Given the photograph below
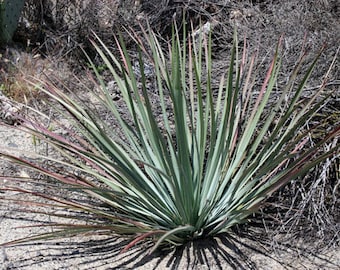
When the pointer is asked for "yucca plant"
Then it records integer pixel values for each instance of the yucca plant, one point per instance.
(205, 165)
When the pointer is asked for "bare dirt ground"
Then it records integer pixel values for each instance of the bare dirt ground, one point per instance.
(314, 241)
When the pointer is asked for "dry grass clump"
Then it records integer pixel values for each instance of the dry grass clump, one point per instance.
(59, 28)
(17, 68)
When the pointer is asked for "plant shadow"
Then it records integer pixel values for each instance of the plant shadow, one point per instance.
(104, 252)
(241, 249)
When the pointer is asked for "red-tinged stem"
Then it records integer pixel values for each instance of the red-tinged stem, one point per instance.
(122, 55)
(139, 238)
(60, 177)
